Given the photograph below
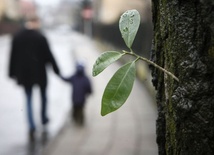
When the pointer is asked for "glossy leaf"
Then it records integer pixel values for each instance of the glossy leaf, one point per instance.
(129, 24)
(119, 88)
(104, 61)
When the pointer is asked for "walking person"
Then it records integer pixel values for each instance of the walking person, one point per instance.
(30, 54)
(81, 89)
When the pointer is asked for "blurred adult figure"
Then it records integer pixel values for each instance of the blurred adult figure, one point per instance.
(81, 89)
(30, 54)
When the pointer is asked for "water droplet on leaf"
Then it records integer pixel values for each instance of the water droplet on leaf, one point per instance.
(125, 29)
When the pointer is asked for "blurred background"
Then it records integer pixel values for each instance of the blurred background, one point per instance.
(76, 29)
(97, 18)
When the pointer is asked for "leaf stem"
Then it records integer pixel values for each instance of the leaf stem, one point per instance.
(152, 63)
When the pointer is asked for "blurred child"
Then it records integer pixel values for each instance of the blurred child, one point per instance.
(81, 89)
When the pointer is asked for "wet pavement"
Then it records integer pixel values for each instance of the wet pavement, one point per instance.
(130, 130)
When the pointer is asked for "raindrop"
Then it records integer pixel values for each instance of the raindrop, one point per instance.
(125, 29)
(124, 15)
(132, 15)
(97, 63)
(100, 59)
(94, 73)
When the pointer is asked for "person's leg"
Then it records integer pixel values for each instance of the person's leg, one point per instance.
(74, 113)
(28, 93)
(44, 117)
(81, 114)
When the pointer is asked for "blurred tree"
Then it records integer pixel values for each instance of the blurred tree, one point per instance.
(184, 44)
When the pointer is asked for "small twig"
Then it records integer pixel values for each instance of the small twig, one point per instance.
(153, 64)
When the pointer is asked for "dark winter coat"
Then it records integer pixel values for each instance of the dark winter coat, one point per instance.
(81, 87)
(30, 53)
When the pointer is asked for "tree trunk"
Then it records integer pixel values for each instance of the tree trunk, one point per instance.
(184, 44)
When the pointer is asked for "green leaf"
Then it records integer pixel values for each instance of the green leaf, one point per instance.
(119, 88)
(104, 61)
(129, 24)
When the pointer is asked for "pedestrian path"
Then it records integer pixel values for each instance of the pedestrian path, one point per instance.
(128, 131)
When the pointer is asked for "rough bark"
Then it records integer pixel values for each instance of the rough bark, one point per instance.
(184, 44)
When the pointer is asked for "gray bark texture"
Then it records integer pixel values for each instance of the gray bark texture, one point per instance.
(184, 44)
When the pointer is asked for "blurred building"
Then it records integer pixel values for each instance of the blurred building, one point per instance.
(9, 16)
(12, 12)
(2, 8)
(110, 10)
(9, 9)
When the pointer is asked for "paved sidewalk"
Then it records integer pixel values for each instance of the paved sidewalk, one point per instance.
(128, 131)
